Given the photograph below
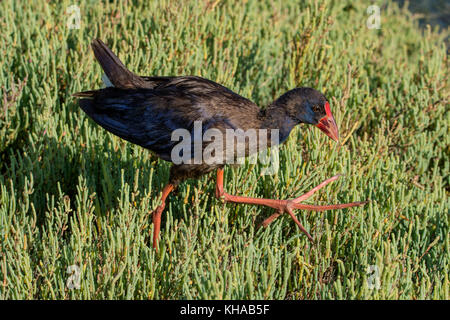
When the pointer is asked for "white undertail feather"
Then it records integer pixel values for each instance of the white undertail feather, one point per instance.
(106, 81)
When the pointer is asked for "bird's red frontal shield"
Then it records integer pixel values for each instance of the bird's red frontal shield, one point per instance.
(328, 125)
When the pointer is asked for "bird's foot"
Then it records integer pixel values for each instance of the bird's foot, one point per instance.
(287, 206)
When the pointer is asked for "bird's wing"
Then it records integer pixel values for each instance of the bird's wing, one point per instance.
(186, 84)
(148, 117)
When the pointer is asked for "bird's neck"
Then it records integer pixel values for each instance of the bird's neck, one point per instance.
(275, 117)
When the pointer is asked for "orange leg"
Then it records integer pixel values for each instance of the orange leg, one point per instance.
(283, 206)
(157, 214)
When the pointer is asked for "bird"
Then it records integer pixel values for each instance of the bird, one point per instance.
(147, 110)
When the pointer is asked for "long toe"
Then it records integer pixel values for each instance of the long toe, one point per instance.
(329, 206)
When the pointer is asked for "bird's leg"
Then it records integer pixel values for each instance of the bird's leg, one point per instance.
(283, 206)
(157, 213)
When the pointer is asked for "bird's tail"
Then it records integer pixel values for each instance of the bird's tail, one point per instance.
(117, 73)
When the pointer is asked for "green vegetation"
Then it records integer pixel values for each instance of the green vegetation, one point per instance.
(73, 194)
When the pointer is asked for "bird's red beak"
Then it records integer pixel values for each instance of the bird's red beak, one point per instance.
(328, 125)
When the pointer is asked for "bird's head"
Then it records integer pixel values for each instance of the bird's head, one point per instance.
(306, 105)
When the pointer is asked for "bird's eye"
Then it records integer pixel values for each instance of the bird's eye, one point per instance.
(316, 108)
